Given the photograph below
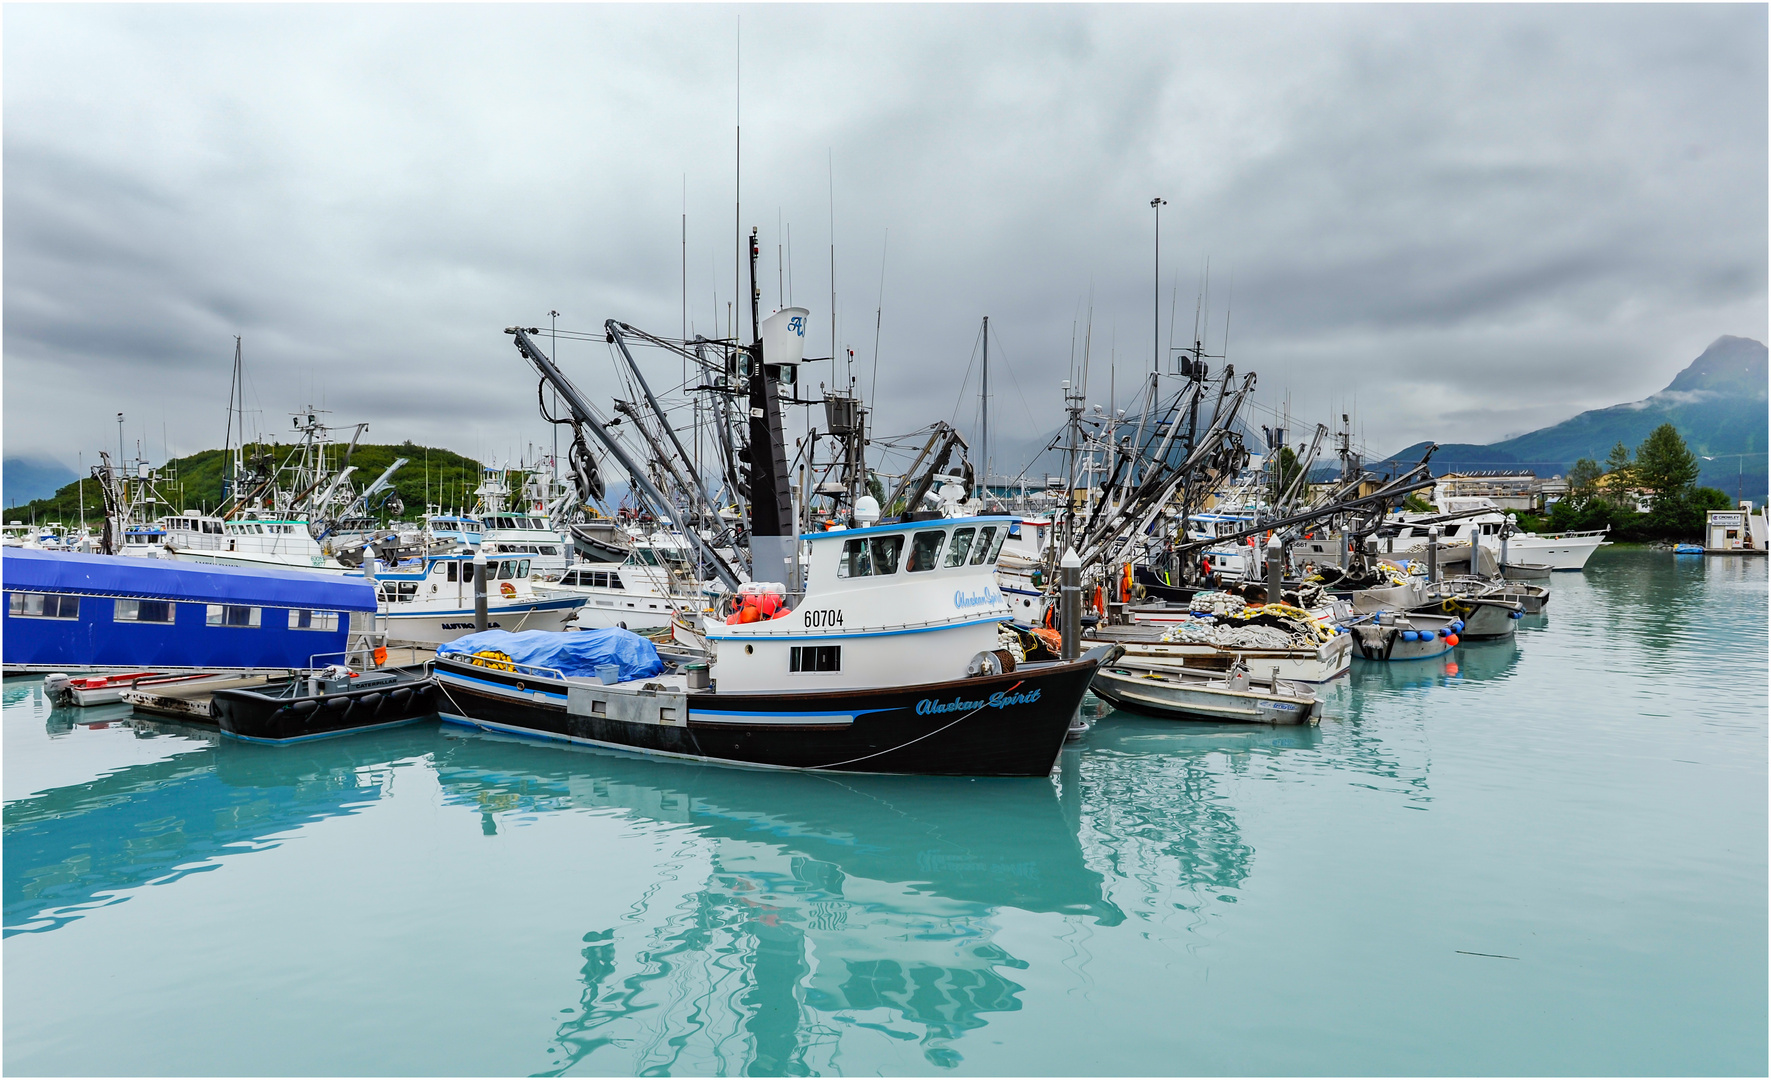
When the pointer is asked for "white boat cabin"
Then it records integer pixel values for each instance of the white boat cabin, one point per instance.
(884, 606)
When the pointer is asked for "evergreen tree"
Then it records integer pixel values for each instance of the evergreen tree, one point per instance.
(1664, 465)
(1583, 482)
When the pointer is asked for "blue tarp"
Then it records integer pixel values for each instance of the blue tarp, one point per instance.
(573, 653)
(29, 570)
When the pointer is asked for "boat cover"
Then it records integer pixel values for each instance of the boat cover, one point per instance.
(571, 652)
(26, 569)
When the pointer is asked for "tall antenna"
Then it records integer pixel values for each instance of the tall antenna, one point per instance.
(830, 165)
(737, 162)
(878, 314)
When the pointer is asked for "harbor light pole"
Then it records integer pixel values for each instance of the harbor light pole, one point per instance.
(1156, 286)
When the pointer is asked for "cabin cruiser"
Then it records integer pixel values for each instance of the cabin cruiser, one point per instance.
(889, 662)
(433, 600)
(1465, 518)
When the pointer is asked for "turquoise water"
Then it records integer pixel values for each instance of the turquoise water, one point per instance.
(1548, 860)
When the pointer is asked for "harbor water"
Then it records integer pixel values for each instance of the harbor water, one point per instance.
(1541, 856)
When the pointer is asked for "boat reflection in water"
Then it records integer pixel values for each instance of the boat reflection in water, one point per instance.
(829, 902)
(77, 848)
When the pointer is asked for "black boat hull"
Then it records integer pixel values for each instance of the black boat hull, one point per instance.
(1004, 725)
(273, 715)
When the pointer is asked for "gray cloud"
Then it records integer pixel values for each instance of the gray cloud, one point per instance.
(1470, 221)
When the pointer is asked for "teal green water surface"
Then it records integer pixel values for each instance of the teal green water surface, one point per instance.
(1546, 856)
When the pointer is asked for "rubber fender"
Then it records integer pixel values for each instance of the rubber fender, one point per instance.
(305, 706)
(1410, 635)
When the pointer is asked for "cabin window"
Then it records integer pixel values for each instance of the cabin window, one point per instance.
(148, 611)
(996, 548)
(961, 547)
(549, 549)
(925, 551)
(981, 550)
(523, 569)
(870, 557)
(399, 592)
(304, 619)
(33, 605)
(614, 581)
(454, 574)
(506, 570)
(816, 658)
(234, 615)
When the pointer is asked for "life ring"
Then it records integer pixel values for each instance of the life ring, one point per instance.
(507, 589)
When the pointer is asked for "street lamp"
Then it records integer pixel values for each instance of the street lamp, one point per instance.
(1156, 293)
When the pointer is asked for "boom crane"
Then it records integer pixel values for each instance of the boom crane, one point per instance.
(584, 417)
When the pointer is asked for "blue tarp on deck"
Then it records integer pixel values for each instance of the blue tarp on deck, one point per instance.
(573, 653)
(26, 569)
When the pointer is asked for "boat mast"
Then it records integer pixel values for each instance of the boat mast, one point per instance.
(984, 435)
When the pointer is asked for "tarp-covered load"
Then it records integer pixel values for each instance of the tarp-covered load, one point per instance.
(572, 653)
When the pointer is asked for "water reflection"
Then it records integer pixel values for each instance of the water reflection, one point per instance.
(76, 848)
(826, 904)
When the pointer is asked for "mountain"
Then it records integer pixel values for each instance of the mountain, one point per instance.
(1718, 403)
(26, 479)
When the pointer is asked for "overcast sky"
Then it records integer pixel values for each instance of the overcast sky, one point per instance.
(1469, 222)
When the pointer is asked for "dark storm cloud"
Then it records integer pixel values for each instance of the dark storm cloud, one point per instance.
(1470, 221)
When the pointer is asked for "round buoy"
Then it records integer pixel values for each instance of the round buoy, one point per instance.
(1453, 640)
(1410, 635)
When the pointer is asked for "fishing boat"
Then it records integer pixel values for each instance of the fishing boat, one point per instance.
(1186, 694)
(1486, 611)
(643, 592)
(431, 600)
(889, 662)
(1397, 635)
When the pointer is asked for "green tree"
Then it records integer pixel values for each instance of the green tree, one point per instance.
(1286, 471)
(1583, 482)
(1417, 505)
(1665, 465)
(1619, 475)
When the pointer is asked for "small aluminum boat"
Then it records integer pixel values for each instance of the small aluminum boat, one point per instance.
(1183, 694)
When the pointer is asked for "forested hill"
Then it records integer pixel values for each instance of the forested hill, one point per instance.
(1718, 404)
(434, 475)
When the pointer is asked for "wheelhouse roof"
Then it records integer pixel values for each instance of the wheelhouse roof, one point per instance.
(22, 569)
(909, 526)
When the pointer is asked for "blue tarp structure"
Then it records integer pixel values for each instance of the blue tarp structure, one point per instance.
(29, 570)
(573, 653)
